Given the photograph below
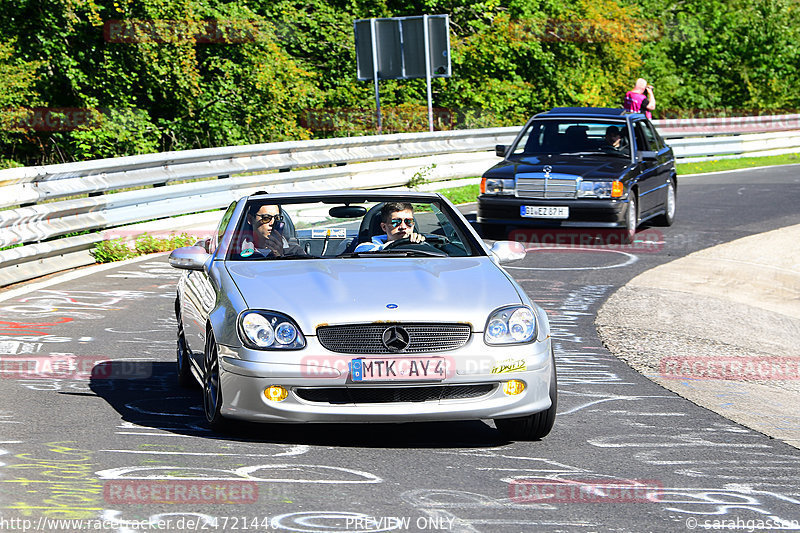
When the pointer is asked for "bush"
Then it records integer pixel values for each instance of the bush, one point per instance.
(113, 250)
(118, 250)
(147, 244)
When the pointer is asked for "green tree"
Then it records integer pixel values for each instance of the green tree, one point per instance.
(16, 93)
(158, 80)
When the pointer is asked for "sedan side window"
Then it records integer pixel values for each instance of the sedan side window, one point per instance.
(642, 139)
(656, 142)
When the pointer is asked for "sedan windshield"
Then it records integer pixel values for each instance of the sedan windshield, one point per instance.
(288, 230)
(574, 137)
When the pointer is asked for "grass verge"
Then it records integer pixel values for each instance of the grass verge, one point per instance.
(717, 165)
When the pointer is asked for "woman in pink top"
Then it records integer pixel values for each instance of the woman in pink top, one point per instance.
(635, 97)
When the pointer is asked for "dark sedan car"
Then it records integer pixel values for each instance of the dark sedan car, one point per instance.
(581, 168)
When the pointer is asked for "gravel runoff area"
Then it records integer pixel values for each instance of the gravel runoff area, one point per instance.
(721, 328)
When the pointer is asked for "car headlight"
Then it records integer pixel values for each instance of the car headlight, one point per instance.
(265, 330)
(600, 189)
(497, 186)
(510, 325)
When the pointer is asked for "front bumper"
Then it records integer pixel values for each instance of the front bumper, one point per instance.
(583, 212)
(321, 389)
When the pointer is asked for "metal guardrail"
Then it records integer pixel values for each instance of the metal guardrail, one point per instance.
(40, 230)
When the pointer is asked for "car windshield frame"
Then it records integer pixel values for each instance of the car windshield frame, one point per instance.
(315, 234)
(585, 139)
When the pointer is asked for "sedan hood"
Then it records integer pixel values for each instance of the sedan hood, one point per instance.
(587, 167)
(317, 292)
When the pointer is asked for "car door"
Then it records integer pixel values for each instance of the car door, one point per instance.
(652, 161)
(666, 163)
(199, 295)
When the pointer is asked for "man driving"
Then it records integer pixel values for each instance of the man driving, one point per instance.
(614, 142)
(397, 220)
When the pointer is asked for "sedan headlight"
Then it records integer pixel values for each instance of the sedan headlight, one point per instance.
(265, 330)
(510, 325)
(498, 186)
(600, 189)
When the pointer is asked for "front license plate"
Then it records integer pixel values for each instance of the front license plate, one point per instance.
(398, 369)
(544, 211)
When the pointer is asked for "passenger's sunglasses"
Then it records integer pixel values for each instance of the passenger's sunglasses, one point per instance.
(267, 218)
(407, 221)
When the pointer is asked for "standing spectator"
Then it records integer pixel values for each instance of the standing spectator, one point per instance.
(637, 101)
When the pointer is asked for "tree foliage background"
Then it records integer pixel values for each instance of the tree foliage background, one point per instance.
(166, 89)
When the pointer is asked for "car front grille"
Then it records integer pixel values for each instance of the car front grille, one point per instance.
(363, 395)
(368, 338)
(552, 187)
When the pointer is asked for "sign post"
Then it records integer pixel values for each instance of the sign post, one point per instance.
(427, 38)
(403, 48)
(374, 39)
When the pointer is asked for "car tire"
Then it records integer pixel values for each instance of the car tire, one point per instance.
(185, 377)
(669, 207)
(537, 425)
(631, 218)
(212, 390)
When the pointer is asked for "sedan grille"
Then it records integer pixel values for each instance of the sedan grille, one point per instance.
(355, 395)
(368, 338)
(553, 187)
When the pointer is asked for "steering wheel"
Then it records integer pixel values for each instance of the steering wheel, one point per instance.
(406, 244)
(438, 239)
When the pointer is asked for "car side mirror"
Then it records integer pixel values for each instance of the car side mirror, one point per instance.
(189, 258)
(508, 251)
(648, 155)
(500, 150)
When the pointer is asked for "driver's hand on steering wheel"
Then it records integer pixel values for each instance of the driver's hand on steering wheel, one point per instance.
(416, 237)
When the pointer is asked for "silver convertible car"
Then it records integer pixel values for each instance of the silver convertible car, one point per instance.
(360, 306)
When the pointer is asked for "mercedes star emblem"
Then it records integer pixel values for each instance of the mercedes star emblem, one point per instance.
(547, 170)
(396, 338)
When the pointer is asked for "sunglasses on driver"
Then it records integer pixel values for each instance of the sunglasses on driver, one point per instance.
(397, 221)
(266, 218)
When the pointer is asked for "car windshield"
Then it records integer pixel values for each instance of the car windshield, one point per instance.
(575, 137)
(289, 230)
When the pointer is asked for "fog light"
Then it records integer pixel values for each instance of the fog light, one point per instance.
(276, 393)
(513, 387)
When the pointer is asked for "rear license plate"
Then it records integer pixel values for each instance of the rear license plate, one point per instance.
(398, 369)
(544, 211)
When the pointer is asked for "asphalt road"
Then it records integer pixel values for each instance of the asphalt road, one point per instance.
(126, 449)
